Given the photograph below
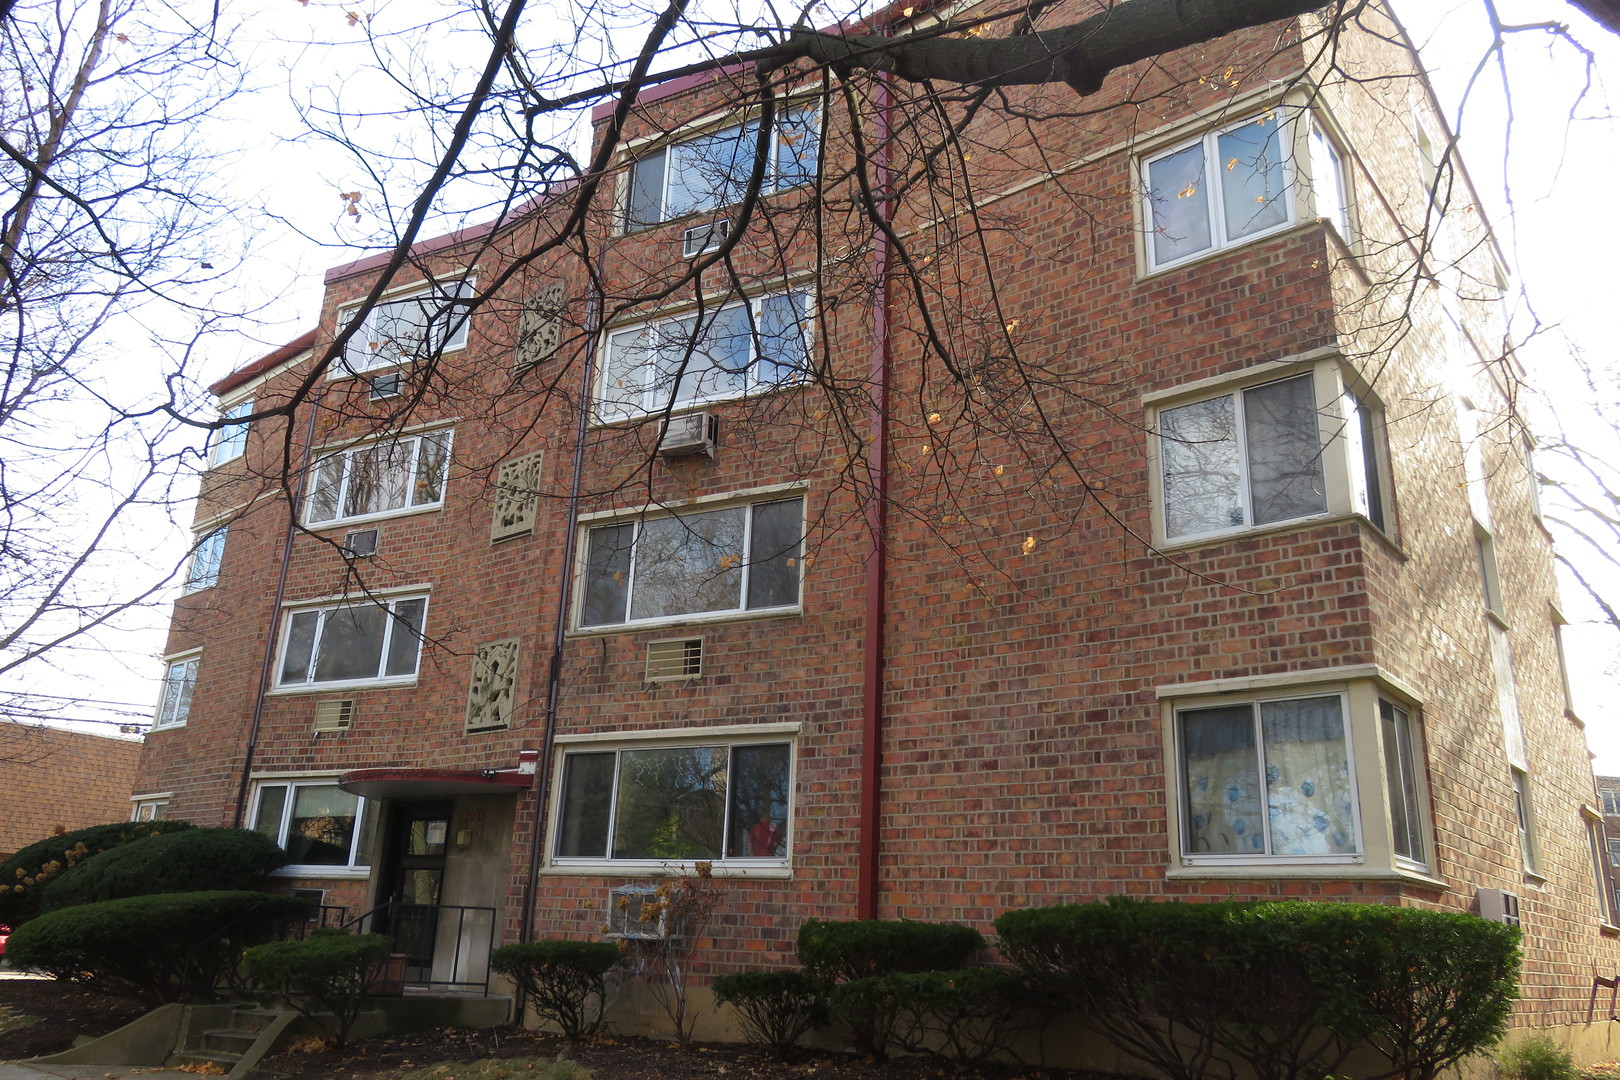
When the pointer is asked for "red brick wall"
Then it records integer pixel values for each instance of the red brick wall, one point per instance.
(52, 779)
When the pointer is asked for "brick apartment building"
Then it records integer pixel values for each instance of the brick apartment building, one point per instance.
(52, 778)
(1138, 508)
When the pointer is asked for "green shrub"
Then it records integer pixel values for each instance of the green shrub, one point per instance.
(1278, 990)
(777, 1007)
(968, 1016)
(1538, 1057)
(327, 972)
(868, 1009)
(560, 979)
(193, 860)
(170, 947)
(23, 877)
(841, 951)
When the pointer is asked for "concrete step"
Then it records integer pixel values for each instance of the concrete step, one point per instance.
(200, 1057)
(230, 1040)
(253, 1019)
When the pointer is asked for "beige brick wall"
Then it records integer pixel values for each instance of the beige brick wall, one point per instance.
(52, 779)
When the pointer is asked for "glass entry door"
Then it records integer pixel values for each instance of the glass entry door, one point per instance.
(412, 881)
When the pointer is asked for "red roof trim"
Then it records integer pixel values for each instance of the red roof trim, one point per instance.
(247, 374)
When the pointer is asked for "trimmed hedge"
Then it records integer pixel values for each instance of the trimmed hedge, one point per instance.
(192, 860)
(1282, 991)
(778, 1008)
(560, 978)
(841, 951)
(328, 971)
(23, 877)
(168, 947)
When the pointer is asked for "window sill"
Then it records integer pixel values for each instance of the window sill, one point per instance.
(1149, 273)
(369, 519)
(329, 687)
(1608, 929)
(346, 873)
(678, 621)
(340, 370)
(645, 868)
(601, 422)
(166, 727)
(1250, 531)
(1316, 871)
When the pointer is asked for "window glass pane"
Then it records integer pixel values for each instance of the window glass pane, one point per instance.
(687, 564)
(1327, 180)
(205, 560)
(405, 637)
(377, 478)
(323, 495)
(796, 146)
(1285, 450)
(272, 801)
(624, 378)
(1178, 204)
(773, 561)
(716, 364)
(351, 643)
(1614, 852)
(431, 454)
(229, 442)
(671, 803)
(1308, 791)
(321, 830)
(783, 325)
(607, 575)
(759, 802)
(646, 202)
(1253, 188)
(300, 644)
(1221, 782)
(368, 833)
(587, 803)
(709, 171)
(1198, 445)
(1400, 767)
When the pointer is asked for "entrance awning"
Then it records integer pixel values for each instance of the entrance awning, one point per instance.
(432, 783)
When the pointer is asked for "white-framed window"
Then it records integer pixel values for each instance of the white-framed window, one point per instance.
(231, 440)
(1490, 577)
(698, 562)
(318, 825)
(202, 572)
(1611, 805)
(728, 351)
(149, 808)
(179, 680)
(1404, 776)
(1524, 816)
(1317, 773)
(710, 170)
(365, 643)
(380, 479)
(419, 324)
(1240, 182)
(1613, 848)
(1602, 875)
(719, 797)
(1264, 451)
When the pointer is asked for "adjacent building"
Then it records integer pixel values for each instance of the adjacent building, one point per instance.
(1124, 497)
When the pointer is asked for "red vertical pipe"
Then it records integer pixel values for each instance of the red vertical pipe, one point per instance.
(877, 507)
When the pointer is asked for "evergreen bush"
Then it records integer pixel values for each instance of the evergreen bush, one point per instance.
(841, 951)
(327, 972)
(23, 876)
(191, 860)
(168, 947)
(778, 1008)
(1538, 1057)
(560, 979)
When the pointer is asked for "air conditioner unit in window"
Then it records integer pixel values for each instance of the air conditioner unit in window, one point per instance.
(390, 385)
(1498, 905)
(360, 542)
(700, 239)
(334, 715)
(677, 658)
(686, 435)
(627, 906)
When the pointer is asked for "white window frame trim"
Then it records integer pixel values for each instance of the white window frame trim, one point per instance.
(348, 450)
(603, 416)
(730, 735)
(238, 433)
(1362, 686)
(755, 496)
(464, 278)
(292, 780)
(1332, 379)
(375, 597)
(152, 798)
(192, 656)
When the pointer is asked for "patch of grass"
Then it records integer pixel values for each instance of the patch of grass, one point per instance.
(526, 1068)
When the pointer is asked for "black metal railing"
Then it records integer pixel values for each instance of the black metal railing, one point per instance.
(453, 940)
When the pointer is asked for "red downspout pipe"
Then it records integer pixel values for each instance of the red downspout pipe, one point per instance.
(877, 512)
